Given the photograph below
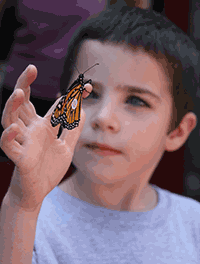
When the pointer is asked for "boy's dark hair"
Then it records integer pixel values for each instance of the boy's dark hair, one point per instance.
(158, 36)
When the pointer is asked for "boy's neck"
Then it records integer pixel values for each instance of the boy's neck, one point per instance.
(137, 200)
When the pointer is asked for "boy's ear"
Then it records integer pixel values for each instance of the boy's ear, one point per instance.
(178, 137)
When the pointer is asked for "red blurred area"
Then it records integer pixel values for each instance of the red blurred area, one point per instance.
(178, 12)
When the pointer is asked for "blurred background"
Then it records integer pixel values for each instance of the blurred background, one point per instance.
(38, 32)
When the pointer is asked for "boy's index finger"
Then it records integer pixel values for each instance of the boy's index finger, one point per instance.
(26, 79)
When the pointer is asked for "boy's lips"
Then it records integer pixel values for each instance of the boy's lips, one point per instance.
(103, 149)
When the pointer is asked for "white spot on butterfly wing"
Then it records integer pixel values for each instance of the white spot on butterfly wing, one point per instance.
(74, 104)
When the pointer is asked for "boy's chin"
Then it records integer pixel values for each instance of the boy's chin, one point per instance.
(101, 176)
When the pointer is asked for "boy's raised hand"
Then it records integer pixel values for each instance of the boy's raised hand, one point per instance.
(31, 143)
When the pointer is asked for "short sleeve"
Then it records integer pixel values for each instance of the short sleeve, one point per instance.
(34, 258)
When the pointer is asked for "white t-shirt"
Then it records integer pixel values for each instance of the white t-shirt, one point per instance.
(72, 231)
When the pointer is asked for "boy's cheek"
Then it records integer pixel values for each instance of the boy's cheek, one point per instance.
(78, 147)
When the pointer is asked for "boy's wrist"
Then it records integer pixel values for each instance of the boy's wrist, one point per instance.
(10, 201)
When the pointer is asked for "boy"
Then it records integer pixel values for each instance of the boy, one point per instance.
(140, 106)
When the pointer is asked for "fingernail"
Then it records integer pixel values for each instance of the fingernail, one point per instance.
(16, 104)
(12, 135)
(14, 108)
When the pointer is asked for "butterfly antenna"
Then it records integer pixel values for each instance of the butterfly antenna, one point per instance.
(91, 67)
(75, 67)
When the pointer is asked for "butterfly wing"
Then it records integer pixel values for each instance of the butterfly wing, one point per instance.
(72, 111)
(71, 116)
(56, 117)
(67, 111)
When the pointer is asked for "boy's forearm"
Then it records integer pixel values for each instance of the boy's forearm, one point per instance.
(17, 233)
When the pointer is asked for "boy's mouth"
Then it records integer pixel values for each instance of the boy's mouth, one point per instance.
(103, 149)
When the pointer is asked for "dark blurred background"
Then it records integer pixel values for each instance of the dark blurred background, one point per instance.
(38, 32)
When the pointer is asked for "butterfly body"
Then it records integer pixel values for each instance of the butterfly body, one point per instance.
(68, 109)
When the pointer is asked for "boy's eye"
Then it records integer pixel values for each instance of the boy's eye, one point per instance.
(134, 100)
(92, 95)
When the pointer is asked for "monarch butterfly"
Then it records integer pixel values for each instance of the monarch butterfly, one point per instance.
(68, 109)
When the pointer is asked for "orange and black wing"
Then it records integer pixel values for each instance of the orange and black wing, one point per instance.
(72, 111)
(56, 117)
(68, 110)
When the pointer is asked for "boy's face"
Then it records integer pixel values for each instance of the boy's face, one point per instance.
(120, 114)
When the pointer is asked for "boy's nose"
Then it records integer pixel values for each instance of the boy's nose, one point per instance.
(106, 119)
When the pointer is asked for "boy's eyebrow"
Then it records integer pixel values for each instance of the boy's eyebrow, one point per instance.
(137, 89)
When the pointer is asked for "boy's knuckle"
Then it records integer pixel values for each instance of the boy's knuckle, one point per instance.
(14, 127)
(2, 123)
(5, 120)
(1, 143)
(3, 140)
